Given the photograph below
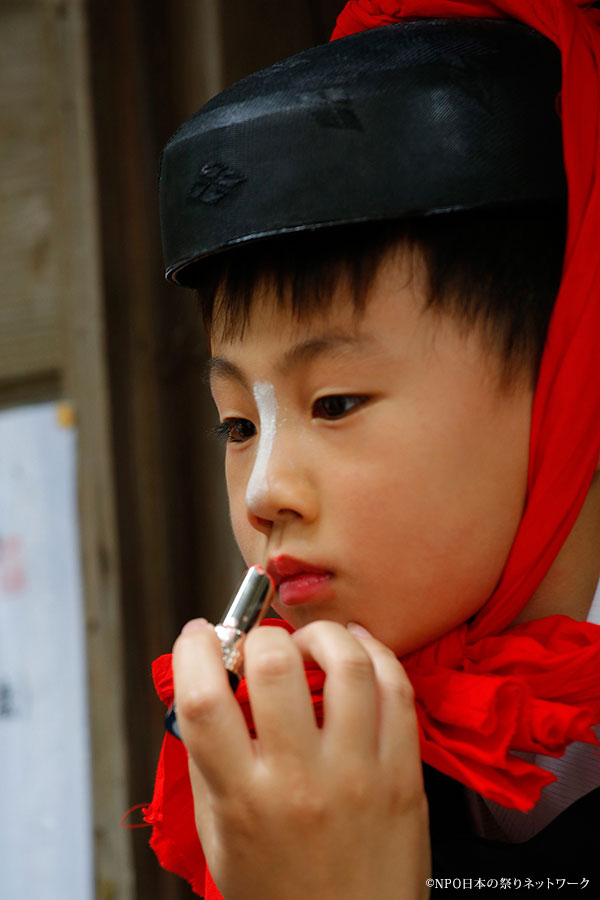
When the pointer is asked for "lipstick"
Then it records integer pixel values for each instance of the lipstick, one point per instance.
(245, 610)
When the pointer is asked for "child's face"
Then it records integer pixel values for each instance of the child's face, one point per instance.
(379, 448)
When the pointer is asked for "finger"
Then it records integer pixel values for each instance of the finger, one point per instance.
(350, 694)
(398, 727)
(279, 696)
(203, 801)
(211, 722)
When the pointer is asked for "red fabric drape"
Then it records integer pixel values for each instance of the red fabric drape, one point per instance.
(487, 689)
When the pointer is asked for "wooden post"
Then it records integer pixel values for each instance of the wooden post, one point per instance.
(84, 377)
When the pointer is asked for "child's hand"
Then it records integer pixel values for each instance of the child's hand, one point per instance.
(302, 812)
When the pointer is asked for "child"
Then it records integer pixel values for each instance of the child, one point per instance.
(376, 230)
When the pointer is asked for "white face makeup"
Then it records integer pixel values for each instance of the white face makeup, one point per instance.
(266, 403)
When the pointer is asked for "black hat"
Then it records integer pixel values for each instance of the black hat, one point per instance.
(422, 117)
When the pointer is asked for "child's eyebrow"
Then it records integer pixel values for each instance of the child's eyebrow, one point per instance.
(303, 352)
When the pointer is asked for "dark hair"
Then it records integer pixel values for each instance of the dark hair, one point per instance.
(496, 270)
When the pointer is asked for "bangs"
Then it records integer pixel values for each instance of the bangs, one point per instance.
(498, 271)
(303, 271)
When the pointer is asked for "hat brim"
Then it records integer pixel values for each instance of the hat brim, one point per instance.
(413, 119)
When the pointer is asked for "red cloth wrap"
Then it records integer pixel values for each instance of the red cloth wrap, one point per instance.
(487, 689)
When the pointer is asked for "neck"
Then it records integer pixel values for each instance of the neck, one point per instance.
(571, 582)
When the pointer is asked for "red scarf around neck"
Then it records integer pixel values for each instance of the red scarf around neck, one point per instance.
(487, 689)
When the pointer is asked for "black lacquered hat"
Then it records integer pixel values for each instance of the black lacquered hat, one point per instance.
(422, 117)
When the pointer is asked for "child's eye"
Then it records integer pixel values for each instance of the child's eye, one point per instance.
(336, 405)
(235, 431)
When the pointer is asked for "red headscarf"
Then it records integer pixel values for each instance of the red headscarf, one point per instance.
(486, 689)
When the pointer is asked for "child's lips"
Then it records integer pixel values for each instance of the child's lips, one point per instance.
(304, 588)
(299, 581)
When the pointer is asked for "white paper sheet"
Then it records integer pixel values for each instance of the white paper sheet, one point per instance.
(45, 807)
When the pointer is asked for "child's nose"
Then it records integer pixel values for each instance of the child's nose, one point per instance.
(280, 485)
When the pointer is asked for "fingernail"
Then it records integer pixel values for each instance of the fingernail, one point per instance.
(358, 630)
(194, 625)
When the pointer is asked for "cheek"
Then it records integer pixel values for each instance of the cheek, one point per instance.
(248, 541)
(244, 534)
(433, 528)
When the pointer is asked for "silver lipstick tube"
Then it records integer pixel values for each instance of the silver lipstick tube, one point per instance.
(245, 610)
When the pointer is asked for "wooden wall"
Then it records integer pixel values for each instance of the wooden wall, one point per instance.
(30, 320)
(90, 91)
(52, 344)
